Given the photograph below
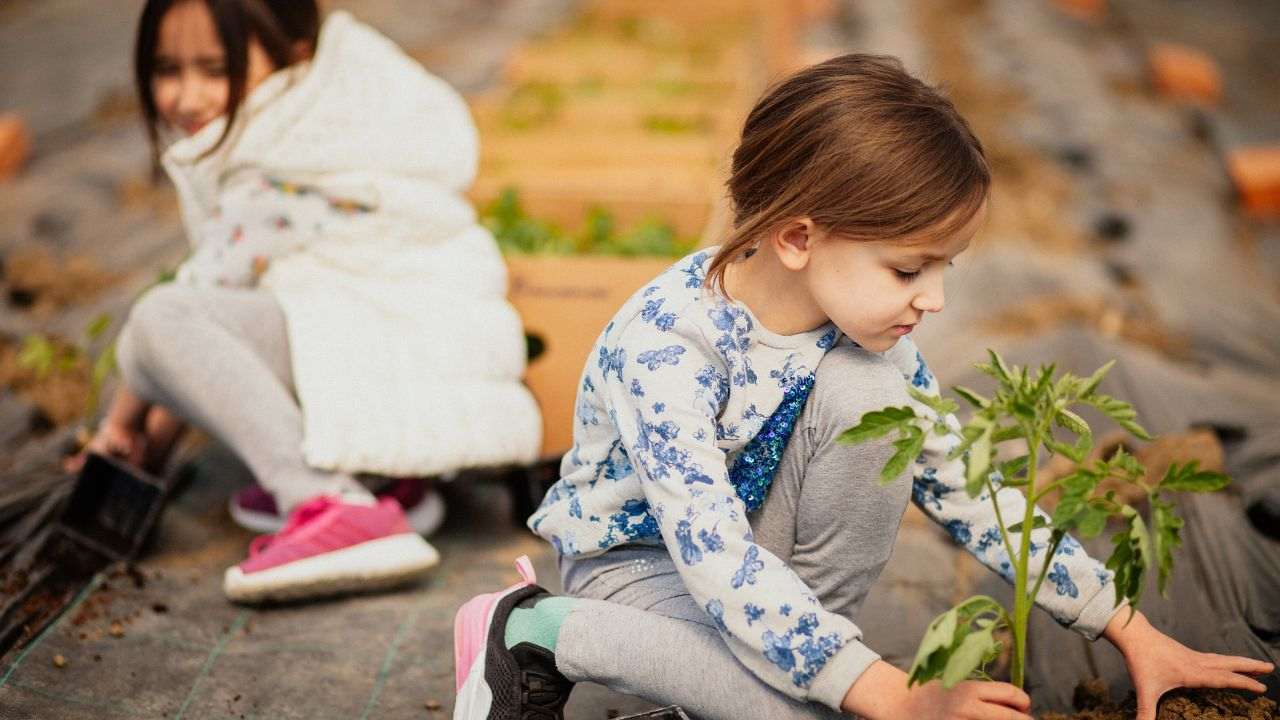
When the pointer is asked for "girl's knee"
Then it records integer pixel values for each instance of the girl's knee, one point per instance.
(849, 382)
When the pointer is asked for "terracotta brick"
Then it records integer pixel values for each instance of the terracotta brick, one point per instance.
(1184, 73)
(15, 145)
(1256, 174)
(1087, 10)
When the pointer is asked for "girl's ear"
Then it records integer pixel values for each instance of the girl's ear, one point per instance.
(793, 243)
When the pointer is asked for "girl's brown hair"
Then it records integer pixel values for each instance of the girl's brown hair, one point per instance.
(279, 26)
(863, 149)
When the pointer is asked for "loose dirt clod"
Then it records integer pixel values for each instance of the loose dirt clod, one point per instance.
(116, 630)
(432, 704)
(59, 661)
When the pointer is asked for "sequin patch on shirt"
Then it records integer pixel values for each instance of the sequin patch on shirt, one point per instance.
(753, 471)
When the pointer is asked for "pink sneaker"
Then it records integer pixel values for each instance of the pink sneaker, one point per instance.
(497, 683)
(253, 508)
(330, 546)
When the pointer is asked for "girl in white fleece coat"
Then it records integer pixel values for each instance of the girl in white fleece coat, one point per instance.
(342, 311)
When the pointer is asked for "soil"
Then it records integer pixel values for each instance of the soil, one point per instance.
(1093, 702)
(43, 282)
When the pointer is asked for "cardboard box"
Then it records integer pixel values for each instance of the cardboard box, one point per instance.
(1185, 73)
(15, 145)
(566, 301)
(1255, 171)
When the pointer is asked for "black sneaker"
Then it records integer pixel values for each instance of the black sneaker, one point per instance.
(497, 683)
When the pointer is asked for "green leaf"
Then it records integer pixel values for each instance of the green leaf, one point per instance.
(1131, 558)
(996, 368)
(942, 406)
(97, 326)
(1075, 452)
(1091, 521)
(978, 464)
(1120, 411)
(1042, 382)
(909, 447)
(968, 436)
(1009, 432)
(968, 657)
(1064, 514)
(38, 354)
(1166, 537)
(1091, 383)
(1009, 469)
(972, 397)
(1071, 421)
(1190, 478)
(1037, 522)
(935, 648)
(877, 423)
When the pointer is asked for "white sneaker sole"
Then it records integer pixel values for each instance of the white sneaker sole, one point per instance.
(373, 565)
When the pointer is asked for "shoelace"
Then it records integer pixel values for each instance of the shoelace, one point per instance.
(301, 515)
(542, 694)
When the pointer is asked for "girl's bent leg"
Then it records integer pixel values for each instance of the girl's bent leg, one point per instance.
(827, 515)
(219, 358)
(637, 630)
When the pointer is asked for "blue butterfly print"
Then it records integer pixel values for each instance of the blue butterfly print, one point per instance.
(785, 610)
(1062, 579)
(753, 612)
(715, 609)
(694, 273)
(828, 339)
(636, 389)
(689, 552)
(990, 538)
(959, 531)
(777, 650)
(711, 540)
(612, 361)
(923, 377)
(751, 564)
(669, 355)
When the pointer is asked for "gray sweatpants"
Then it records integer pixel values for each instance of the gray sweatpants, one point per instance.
(219, 358)
(639, 631)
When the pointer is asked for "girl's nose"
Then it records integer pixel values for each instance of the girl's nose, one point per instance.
(189, 95)
(931, 297)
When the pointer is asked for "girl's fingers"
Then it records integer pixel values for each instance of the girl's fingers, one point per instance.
(1005, 694)
(991, 711)
(1235, 681)
(1236, 663)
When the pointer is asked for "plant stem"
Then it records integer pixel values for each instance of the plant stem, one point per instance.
(1021, 602)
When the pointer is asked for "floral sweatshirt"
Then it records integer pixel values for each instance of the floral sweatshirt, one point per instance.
(683, 412)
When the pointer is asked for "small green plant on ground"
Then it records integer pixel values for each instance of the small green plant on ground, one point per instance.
(518, 232)
(1025, 409)
(45, 356)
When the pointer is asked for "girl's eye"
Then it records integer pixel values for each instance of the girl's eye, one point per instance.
(165, 69)
(906, 274)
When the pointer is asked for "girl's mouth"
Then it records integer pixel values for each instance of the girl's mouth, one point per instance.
(901, 329)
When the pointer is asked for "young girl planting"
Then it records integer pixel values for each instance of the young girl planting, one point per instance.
(342, 311)
(715, 541)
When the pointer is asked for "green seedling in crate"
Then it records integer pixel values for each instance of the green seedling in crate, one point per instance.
(1023, 413)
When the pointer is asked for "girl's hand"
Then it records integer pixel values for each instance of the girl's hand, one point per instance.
(1158, 663)
(111, 439)
(971, 699)
(881, 692)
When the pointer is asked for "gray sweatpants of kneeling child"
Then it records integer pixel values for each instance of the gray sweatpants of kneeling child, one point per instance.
(219, 358)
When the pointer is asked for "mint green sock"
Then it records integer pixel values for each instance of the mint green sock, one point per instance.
(539, 624)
